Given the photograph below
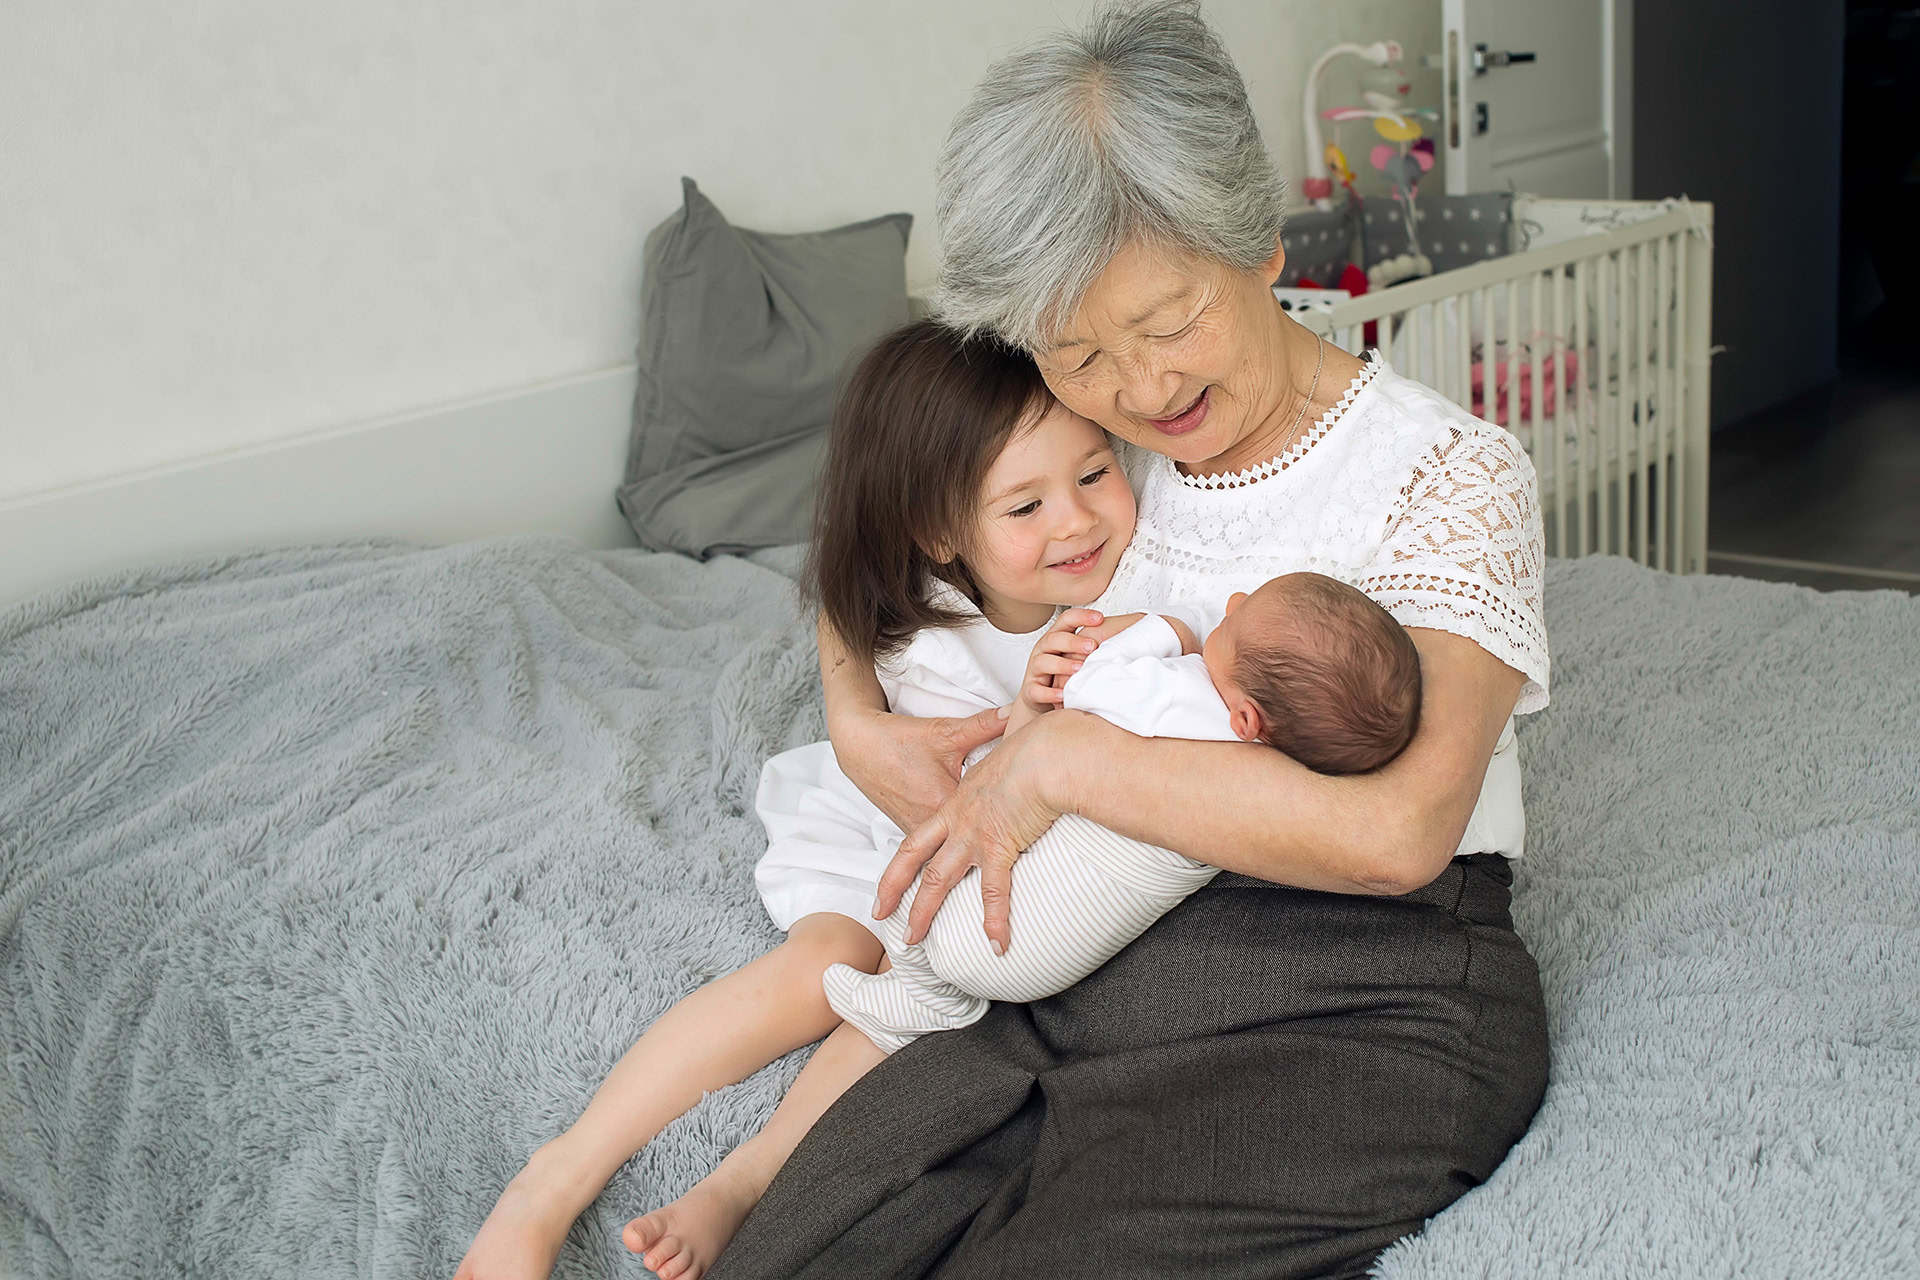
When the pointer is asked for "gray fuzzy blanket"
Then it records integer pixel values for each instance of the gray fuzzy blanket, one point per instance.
(333, 880)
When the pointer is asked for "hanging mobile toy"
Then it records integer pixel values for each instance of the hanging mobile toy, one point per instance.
(1403, 155)
(1318, 182)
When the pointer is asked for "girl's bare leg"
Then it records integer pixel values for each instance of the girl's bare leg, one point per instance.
(719, 1035)
(681, 1240)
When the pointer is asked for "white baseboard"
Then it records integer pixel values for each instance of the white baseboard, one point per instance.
(543, 459)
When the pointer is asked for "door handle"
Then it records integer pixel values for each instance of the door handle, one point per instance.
(1482, 59)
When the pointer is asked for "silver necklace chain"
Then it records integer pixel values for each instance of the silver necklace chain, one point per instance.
(1260, 471)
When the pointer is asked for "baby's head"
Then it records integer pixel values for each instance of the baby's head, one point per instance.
(1314, 668)
(948, 458)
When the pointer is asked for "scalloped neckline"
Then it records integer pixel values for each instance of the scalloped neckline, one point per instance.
(1371, 365)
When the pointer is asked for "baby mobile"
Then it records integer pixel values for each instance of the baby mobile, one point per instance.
(1400, 152)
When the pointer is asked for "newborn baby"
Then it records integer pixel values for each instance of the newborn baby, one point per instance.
(1305, 664)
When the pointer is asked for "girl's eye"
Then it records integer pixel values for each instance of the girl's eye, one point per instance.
(1094, 477)
(1026, 509)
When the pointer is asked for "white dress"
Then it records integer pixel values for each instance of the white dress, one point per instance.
(1395, 490)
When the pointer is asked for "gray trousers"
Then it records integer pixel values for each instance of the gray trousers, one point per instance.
(1269, 1082)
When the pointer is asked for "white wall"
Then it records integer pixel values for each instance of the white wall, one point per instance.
(226, 223)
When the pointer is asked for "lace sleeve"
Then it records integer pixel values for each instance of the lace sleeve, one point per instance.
(1466, 553)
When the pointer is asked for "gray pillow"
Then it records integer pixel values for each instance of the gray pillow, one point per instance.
(744, 338)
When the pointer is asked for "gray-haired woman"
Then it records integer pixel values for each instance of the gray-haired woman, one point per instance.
(1302, 1063)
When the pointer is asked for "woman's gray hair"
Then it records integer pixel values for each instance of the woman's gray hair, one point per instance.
(1136, 127)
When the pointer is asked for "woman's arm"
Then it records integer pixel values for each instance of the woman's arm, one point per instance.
(1256, 812)
(907, 765)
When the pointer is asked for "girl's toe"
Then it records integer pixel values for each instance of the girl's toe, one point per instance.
(663, 1254)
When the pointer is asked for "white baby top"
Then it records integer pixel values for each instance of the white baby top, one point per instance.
(1140, 681)
(1396, 491)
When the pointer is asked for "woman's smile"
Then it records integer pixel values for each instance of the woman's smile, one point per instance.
(1188, 419)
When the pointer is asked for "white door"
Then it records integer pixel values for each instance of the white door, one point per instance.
(1537, 97)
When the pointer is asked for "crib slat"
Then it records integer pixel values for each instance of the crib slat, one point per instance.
(1622, 408)
(1488, 337)
(1560, 393)
(1509, 356)
(1604, 425)
(1435, 316)
(1663, 518)
(1463, 349)
(1534, 420)
(1583, 477)
(1682, 354)
(1643, 448)
(1676, 415)
(1603, 417)
(1620, 485)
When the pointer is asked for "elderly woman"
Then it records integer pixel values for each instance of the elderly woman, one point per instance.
(1302, 1063)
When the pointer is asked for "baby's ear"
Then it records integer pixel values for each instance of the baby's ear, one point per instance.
(1234, 601)
(1245, 719)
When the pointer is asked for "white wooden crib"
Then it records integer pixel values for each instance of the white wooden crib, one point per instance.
(1591, 343)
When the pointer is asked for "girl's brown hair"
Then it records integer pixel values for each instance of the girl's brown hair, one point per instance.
(921, 420)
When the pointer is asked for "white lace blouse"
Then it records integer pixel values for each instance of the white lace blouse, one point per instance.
(1429, 510)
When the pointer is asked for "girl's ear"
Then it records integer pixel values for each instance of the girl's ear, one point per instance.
(1245, 720)
(937, 551)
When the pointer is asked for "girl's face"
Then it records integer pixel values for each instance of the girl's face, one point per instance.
(1054, 515)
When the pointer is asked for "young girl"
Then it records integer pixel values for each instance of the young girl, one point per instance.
(961, 507)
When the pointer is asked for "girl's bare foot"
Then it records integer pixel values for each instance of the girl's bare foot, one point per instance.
(521, 1238)
(680, 1241)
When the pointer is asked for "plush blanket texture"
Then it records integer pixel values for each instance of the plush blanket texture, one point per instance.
(332, 881)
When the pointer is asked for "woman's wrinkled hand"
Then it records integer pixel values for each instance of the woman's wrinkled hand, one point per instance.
(998, 809)
(909, 765)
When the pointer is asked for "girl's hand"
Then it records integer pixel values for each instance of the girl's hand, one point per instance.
(1057, 656)
(908, 765)
(1001, 806)
(1106, 629)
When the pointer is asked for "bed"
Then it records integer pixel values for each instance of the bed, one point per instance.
(333, 878)
(335, 872)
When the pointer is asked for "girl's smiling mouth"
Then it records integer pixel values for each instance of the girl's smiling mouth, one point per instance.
(1080, 563)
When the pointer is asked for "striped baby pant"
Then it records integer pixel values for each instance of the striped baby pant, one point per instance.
(1080, 894)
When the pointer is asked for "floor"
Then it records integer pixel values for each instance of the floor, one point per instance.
(1824, 490)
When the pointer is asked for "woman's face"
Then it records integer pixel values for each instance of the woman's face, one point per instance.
(1176, 354)
(1054, 515)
